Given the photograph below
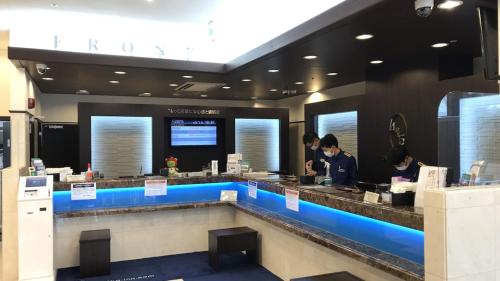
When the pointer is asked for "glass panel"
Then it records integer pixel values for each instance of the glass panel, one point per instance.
(469, 137)
(122, 146)
(259, 142)
(344, 126)
(4, 144)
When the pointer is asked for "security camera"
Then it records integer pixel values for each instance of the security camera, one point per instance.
(424, 7)
(41, 68)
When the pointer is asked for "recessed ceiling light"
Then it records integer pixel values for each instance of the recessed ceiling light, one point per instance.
(114, 82)
(299, 83)
(376, 61)
(48, 78)
(150, 1)
(332, 74)
(273, 90)
(310, 57)
(226, 87)
(173, 85)
(54, 5)
(439, 45)
(273, 70)
(176, 94)
(144, 94)
(364, 36)
(246, 80)
(203, 96)
(254, 98)
(450, 4)
(120, 72)
(187, 76)
(82, 92)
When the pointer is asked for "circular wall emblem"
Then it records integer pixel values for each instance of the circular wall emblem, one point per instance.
(397, 130)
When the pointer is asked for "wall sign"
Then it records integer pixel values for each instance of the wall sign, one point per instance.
(292, 199)
(155, 187)
(83, 191)
(193, 111)
(397, 130)
(252, 189)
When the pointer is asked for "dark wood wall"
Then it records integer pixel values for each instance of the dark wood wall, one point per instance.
(411, 87)
(161, 115)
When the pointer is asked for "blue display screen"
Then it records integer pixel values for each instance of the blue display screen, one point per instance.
(190, 132)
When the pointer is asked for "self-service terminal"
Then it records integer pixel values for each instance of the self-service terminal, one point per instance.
(36, 227)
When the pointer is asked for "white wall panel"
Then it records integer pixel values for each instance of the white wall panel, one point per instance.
(120, 146)
(344, 126)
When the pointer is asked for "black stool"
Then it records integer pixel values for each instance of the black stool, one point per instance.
(337, 276)
(95, 253)
(231, 240)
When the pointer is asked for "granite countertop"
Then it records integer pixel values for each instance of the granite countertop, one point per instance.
(394, 265)
(330, 197)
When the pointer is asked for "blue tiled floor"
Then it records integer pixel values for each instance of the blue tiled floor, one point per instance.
(189, 267)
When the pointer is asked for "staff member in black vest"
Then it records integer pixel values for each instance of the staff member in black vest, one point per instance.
(343, 169)
(314, 167)
(404, 164)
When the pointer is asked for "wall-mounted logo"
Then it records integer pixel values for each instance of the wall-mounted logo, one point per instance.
(398, 130)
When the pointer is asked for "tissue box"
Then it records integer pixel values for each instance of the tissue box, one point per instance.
(403, 199)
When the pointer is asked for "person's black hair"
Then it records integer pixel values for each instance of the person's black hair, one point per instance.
(329, 141)
(309, 137)
(397, 154)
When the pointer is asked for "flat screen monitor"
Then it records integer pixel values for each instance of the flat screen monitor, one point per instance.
(193, 132)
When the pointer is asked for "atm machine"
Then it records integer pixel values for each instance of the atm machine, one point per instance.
(36, 227)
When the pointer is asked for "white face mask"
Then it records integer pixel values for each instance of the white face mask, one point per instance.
(402, 168)
(328, 154)
(314, 147)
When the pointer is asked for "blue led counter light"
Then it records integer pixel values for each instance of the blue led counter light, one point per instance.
(390, 238)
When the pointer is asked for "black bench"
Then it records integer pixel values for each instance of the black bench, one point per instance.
(95, 253)
(337, 276)
(231, 240)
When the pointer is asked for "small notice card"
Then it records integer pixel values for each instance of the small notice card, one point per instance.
(252, 189)
(229, 195)
(83, 191)
(292, 199)
(155, 187)
(215, 167)
(371, 197)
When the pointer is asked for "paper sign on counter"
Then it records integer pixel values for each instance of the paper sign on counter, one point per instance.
(83, 191)
(229, 195)
(215, 167)
(292, 199)
(371, 197)
(252, 189)
(155, 187)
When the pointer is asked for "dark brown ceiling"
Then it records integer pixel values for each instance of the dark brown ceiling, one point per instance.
(399, 34)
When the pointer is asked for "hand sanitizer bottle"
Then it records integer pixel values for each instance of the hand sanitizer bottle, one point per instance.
(328, 179)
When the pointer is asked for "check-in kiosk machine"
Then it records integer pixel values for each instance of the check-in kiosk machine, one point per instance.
(36, 244)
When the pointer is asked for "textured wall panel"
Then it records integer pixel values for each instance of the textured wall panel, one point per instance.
(259, 142)
(120, 146)
(480, 133)
(344, 126)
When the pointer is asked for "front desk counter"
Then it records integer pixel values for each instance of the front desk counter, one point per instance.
(409, 267)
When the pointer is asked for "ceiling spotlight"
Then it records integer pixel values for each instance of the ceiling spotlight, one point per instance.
(144, 94)
(246, 80)
(364, 36)
(310, 57)
(176, 94)
(273, 70)
(273, 90)
(187, 76)
(173, 85)
(114, 82)
(376, 61)
(150, 1)
(439, 45)
(254, 98)
(48, 78)
(450, 4)
(226, 87)
(82, 92)
(332, 74)
(120, 72)
(54, 5)
(299, 83)
(203, 96)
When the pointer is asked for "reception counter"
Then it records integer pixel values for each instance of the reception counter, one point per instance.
(388, 239)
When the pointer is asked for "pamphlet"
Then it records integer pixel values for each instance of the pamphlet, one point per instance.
(83, 191)
(292, 199)
(155, 187)
(252, 189)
